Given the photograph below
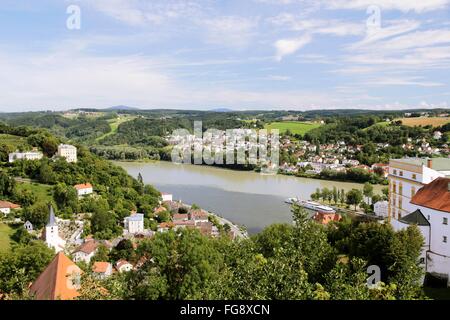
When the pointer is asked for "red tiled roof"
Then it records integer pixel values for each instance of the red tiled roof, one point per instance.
(199, 214)
(7, 204)
(435, 195)
(121, 263)
(180, 216)
(82, 186)
(88, 247)
(101, 267)
(325, 218)
(54, 282)
(184, 223)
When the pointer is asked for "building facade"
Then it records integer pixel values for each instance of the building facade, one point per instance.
(406, 177)
(51, 234)
(30, 155)
(134, 223)
(68, 152)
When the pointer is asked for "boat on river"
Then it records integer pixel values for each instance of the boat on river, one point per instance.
(311, 205)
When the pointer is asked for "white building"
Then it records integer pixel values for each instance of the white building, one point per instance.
(6, 207)
(68, 152)
(134, 223)
(28, 226)
(84, 189)
(51, 235)
(30, 155)
(86, 251)
(437, 135)
(432, 215)
(102, 270)
(166, 197)
(380, 209)
(123, 266)
(406, 177)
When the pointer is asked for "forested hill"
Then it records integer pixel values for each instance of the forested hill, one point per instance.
(118, 193)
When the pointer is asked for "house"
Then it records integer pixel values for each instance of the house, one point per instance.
(180, 217)
(166, 197)
(206, 228)
(51, 233)
(199, 216)
(165, 226)
(28, 226)
(123, 266)
(84, 189)
(59, 281)
(30, 155)
(381, 168)
(86, 251)
(326, 217)
(184, 224)
(68, 152)
(431, 213)
(159, 210)
(437, 135)
(134, 223)
(102, 269)
(6, 207)
(406, 177)
(380, 209)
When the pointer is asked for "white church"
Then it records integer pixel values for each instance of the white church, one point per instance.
(51, 233)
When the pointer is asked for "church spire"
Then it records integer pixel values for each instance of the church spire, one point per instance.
(51, 219)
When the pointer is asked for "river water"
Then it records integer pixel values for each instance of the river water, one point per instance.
(246, 198)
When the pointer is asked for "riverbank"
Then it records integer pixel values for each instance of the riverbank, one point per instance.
(239, 231)
(280, 172)
(246, 198)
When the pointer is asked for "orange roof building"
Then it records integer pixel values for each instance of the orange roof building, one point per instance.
(58, 281)
(325, 217)
(8, 205)
(83, 186)
(435, 195)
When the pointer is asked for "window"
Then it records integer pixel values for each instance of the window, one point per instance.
(414, 176)
(428, 217)
(413, 191)
(399, 215)
(445, 221)
(400, 203)
(394, 187)
(401, 173)
(400, 189)
(444, 239)
(395, 172)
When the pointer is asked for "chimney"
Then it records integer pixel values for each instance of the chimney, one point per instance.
(429, 163)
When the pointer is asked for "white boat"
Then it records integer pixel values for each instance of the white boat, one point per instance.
(291, 200)
(310, 205)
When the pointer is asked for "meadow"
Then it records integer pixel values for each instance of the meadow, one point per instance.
(5, 237)
(425, 121)
(295, 127)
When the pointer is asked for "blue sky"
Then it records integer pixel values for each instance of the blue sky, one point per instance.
(240, 54)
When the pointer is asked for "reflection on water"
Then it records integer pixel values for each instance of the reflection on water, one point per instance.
(246, 198)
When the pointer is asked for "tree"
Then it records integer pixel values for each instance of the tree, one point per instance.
(354, 197)
(66, 197)
(37, 214)
(7, 184)
(21, 236)
(368, 191)
(335, 195)
(23, 265)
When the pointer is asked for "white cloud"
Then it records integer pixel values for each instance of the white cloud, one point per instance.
(286, 47)
(318, 26)
(230, 30)
(401, 5)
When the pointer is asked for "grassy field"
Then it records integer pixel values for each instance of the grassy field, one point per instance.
(42, 191)
(114, 124)
(295, 127)
(14, 141)
(5, 234)
(424, 121)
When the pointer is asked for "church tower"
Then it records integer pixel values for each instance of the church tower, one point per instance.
(52, 238)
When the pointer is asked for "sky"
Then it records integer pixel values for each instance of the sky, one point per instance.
(238, 54)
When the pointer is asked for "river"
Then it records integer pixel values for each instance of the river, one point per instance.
(246, 198)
